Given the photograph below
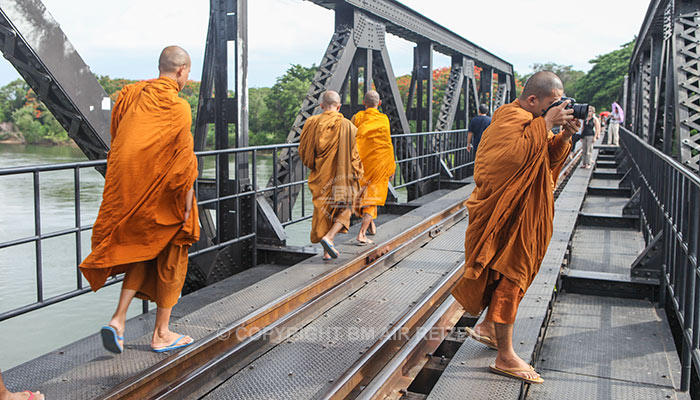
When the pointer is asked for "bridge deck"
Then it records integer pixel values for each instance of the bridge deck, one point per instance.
(84, 370)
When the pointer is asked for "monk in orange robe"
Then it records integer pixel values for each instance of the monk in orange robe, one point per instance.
(147, 221)
(328, 148)
(511, 212)
(377, 155)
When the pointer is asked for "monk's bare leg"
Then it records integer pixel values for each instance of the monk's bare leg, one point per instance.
(162, 335)
(486, 328)
(366, 222)
(118, 320)
(507, 358)
(372, 228)
(7, 395)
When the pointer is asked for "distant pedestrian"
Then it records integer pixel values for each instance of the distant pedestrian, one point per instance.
(616, 118)
(5, 394)
(589, 133)
(328, 147)
(477, 126)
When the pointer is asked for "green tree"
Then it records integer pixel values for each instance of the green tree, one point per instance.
(284, 99)
(603, 83)
(568, 75)
(12, 97)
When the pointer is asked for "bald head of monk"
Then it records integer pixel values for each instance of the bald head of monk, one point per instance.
(542, 89)
(372, 99)
(175, 63)
(330, 101)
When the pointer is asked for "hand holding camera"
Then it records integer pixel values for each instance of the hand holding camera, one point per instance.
(563, 111)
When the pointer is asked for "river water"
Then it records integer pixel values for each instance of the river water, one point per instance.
(30, 335)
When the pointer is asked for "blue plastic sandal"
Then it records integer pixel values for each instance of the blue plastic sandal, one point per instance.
(173, 346)
(110, 339)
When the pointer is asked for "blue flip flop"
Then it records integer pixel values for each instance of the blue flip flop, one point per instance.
(329, 248)
(173, 346)
(110, 339)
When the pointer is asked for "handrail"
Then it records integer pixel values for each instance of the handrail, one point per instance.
(670, 209)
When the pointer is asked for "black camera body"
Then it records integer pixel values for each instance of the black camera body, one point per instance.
(580, 109)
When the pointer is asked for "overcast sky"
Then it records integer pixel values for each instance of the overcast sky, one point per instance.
(123, 39)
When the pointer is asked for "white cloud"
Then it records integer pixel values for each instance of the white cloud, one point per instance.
(123, 39)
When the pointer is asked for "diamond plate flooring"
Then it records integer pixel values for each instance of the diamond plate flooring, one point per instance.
(607, 348)
(604, 205)
(307, 364)
(605, 249)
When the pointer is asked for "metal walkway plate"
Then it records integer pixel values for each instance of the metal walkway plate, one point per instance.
(607, 348)
(309, 362)
(601, 249)
(604, 205)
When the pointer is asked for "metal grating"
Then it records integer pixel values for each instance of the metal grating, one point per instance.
(601, 347)
(306, 364)
(603, 205)
(452, 240)
(605, 249)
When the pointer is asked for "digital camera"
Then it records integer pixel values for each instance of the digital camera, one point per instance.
(580, 109)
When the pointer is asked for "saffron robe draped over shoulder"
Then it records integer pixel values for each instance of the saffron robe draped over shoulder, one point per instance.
(377, 155)
(150, 168)
(328, 148)
(512, 208)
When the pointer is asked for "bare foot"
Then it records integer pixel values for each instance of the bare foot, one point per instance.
(166, 338)
(513, 362)
(22, 396)
(486, 328)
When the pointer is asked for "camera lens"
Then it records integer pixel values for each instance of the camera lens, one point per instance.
(580, 111)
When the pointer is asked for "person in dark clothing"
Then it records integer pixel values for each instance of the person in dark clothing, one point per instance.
(477, 126)
(589, 133)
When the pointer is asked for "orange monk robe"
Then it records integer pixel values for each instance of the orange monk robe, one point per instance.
(377, 155)
(150, 168)
(512, 208)
(328, 148)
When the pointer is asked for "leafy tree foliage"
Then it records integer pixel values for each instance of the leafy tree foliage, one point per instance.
(568, 75)
(603, 83)
(283, 100)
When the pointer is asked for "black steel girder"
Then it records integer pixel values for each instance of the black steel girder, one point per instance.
(410, 25)
(34, 43)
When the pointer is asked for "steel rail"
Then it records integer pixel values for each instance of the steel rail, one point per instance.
(416, 352)
(412, 321)
(190, 369)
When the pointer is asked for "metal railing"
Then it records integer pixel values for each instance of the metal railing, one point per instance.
(434, 152)
(669, 202)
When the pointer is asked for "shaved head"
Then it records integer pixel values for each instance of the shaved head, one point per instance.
(330, 99)
(542, 84)
(172, 58)
(372, 99)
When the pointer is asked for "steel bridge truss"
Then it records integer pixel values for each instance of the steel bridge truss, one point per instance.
(663, 94)
(356, 57)
(34, 43)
